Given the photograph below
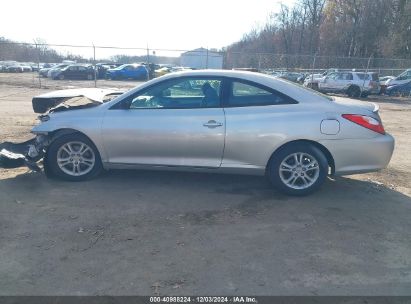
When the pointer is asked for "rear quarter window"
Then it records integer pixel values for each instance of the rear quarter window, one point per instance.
(246, 94)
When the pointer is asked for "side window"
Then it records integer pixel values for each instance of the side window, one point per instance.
(363, 76)
(180, 94)
(73, 68)
(346, 76)
(82, 68)
(242, 89)
(246, 94)
(340, 76)
(332, 75)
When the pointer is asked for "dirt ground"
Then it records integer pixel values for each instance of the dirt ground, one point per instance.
(166, 233)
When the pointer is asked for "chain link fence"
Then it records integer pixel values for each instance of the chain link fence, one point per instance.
(314, 63)
(38, 55)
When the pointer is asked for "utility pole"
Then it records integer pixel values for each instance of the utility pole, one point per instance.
(94, 63)
(366, 73)
(207, 59)
(148, 63)
(38, 63)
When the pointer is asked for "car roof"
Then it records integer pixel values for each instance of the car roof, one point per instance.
(295, 91)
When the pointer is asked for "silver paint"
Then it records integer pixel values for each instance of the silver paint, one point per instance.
(231, 140)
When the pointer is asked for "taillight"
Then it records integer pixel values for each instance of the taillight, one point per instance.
(366, 122)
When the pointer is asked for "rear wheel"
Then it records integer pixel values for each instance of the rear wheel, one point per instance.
(354, 92)
(61, 77)
(73, 157)
(298, 169)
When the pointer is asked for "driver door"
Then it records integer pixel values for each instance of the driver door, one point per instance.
(168, 124)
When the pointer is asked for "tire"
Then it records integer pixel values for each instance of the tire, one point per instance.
(66, 161)
(314, 86)
(61, 77)
(354, 92)
(290, 175)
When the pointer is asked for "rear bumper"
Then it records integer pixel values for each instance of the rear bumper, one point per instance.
(352, 156)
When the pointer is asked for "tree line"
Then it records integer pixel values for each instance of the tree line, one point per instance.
(348, 28)
(26, 52)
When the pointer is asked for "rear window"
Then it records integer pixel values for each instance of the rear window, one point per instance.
(363, 76)
(375, 77)
(246, 94)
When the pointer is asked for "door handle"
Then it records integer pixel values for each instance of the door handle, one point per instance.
(212, 124)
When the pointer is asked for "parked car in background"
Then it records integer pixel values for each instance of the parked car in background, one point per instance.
(26, 67)
(180, 69)
(55, 70)
(103, 67)
(312, 80)
(128, 71)
(384, 79)
(354, 84)
(399, 89)
(383, 83)
(404, 77)
(151, 68)
(15, 68)
(293, 76)
(44, 71)
(162, 71)
(224, 121)
(75, 71)
(6, 64)
(34, 66)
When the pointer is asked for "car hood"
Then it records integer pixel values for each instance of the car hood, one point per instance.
(69, 99)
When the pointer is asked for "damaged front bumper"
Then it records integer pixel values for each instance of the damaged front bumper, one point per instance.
(28, 153)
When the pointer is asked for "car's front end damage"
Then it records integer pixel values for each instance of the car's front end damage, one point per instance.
(29, 153)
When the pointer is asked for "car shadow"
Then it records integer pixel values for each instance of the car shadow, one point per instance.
(246, 194)
(351, 236)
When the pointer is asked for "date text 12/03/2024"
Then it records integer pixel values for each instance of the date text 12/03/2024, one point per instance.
(202, 299)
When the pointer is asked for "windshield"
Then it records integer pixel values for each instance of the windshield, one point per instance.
(405, 73)
(59, 66)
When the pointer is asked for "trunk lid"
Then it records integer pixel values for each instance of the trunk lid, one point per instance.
(352, 106)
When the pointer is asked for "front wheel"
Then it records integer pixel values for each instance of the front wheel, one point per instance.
(298, 169)
(73, 157)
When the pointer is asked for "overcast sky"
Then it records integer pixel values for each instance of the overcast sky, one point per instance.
(160, 24)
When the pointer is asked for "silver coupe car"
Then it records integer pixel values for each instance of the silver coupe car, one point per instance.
(216, 121)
